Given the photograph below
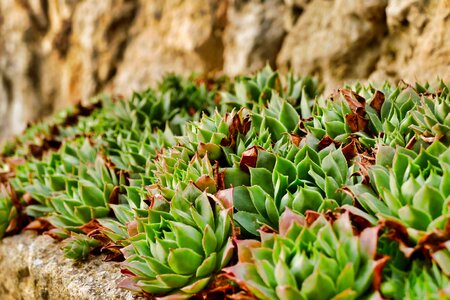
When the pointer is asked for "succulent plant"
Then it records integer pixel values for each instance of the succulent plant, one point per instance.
(423, 281)
(8, 213)
(134, 151)
(178, 252)
(384, 116)
(50, 133)
(279, 118)
(340, 117)
(256, 91)
(413, 191)
(308, 260)
(432, 116)
(69, 188)
(176, 169)
(78, 246)
(297, 178)
(346, 196)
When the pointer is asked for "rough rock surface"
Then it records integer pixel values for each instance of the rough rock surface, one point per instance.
(34, 267)
(57, 52)
(253, 36)
(349, 34)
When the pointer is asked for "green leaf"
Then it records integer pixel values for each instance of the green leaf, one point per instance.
(242, 201)
(263, 178)
(187, 236)
(156, 266)
(249, 221)
(272, 211)
(346, 278)
(285, 167)
(91, 195)
(207, 267)
(57, 182)
(283, 275)
(442, 257)
(234, 177)
(173, 280)
(202, 213)
(288, 116)
(153, 286)
(307, 199)
(414, 217)
(327, 240)
(428, 199)
(184, 261)
(209, 241)
(258, 198)
(301, 267)
(276, 128)
(288, 293)
(335, 165)
(266, 271)
(318, 286)
(197, 286)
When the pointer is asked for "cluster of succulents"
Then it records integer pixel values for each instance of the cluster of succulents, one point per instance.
(179, 250)
(8, 213)
(254, 187)
(309, 258)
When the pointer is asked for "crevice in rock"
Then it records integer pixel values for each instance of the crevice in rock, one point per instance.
(23, 273)
(118, 29)
(39, 22)
(7, 84)
(61, 41)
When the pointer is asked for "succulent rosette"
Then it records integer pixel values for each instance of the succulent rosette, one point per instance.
(432, 116)
(8, 213)
(346, 196)
(424, 281)
(179, 252)
(78, 246)
(307, 259)
(298, 178)
(256, 91)
(414, 190)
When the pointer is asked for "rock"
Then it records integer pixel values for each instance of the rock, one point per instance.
(253, 36)
(20, 66)
(54, 53)
(58, 52)
(418, 45)
(37, 269)
(336, 40)
(171, 36)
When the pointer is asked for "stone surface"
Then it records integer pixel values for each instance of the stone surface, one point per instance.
(171, 36)
(336, 40)
(53, 53)
(418, 44)
(34, 267)
(253, 36)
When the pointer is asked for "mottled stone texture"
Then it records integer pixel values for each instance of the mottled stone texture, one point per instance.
(33, 267)
(57, 52)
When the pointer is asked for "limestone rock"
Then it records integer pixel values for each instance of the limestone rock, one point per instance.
(34, 267)
(57, 52)
(253, 36)
(171, 36)
(336, 40)
(54, 53)
(418, 45)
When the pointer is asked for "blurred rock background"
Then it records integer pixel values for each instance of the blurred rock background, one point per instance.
(56, 52)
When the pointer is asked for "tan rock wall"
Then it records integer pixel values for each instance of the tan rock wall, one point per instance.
(34, 267)
(57, 52)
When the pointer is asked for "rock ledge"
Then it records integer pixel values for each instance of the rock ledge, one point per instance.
(34, 267)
